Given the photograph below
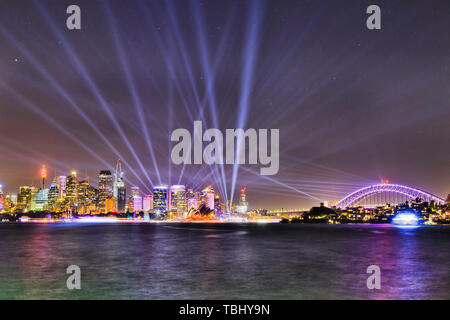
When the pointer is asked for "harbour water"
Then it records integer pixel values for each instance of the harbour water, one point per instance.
(223, 261)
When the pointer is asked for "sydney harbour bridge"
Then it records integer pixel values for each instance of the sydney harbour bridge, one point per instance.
(382, 194)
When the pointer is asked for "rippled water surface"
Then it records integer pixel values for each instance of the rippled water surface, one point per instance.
(223, 261)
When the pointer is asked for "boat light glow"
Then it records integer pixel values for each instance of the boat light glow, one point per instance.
(405, 218)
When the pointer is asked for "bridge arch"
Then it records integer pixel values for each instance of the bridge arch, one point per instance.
(410, 192)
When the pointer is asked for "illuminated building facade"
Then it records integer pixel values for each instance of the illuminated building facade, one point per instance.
(130, 204)
(9, 202)
(39, 201)
(105, 188)
(218, 205)
(178, 199)
(62, 180)
(160, 199)
(110, 204)
(53, 196)
(147, 203)
(137, 203)
(121, 199)
(82, 193)
(13, 199)
(24, 197)
(119, 188)
(72, 189)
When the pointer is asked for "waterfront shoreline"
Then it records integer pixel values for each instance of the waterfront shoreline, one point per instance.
(156, 222)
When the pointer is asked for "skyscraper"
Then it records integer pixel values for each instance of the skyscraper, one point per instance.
(119, 188)
(110, 204)
(105, 188)
(160, 198)
(24, 197)
(72, 189)
(62, 180)
(53, 196)
(137, 203)
(82, 192)
(178, 198)
(147, 203)
(40, 200)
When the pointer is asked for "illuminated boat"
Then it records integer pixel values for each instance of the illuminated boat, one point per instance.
(405, 219)
(24, 219)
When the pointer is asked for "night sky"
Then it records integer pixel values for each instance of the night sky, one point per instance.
(353, 105)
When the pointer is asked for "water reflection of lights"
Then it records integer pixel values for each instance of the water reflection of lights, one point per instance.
(96, 220)
(145, 219)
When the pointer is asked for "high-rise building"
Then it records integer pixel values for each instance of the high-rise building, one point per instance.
(208, 197)
(62, 180)
(9, 202)
(110, 204)
(105, 188)
(82, 192)
(218, 205)
(24, 197)
(13, 199)
(72, 189)
(130, 204)
(137, 203)
(92, 196)
(178, 199)
(119, 188)
(53, 196)
(147, 203)
(39, 200)
(160, 198)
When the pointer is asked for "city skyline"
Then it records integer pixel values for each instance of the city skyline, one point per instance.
(110, 195)
(237, 157)
(77, 194)
(368, 105)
